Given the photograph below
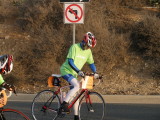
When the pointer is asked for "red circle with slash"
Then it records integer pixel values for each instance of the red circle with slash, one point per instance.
(69, 8)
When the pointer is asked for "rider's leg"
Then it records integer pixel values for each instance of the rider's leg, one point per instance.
(76, 86)
(75, 108)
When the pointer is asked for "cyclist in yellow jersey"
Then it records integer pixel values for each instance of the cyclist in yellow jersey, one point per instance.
(78, 55)
(6, 66)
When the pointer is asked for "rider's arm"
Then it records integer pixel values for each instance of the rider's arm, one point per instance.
(90, 61)
(1, 79)
(72, 65)
(71, 55)
(93, 67)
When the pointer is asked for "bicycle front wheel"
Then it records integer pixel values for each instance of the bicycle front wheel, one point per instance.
(11, 114)
(45, 105)
(92, 107)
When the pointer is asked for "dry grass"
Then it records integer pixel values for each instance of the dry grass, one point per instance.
(39, 41)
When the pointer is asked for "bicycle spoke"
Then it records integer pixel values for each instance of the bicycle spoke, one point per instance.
(45, 106)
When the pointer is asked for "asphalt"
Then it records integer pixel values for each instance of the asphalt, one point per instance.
(137, 99)
(118, 107)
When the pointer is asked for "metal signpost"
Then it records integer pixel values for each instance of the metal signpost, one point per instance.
(74, 13)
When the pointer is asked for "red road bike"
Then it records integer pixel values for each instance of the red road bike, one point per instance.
(46, 104)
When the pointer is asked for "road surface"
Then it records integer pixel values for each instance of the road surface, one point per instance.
(118, 107)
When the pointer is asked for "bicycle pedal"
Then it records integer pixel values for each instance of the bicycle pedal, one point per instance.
(61, 112)
(66, 112)
(61, 115)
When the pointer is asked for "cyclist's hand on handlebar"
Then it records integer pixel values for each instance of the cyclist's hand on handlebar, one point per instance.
(81, 73)
(8, 86)
(96, 76)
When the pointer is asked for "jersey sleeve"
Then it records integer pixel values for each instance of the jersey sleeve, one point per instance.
(72, 65)
(93, 67)
(72, 52)
(90, 59)
(1, 79)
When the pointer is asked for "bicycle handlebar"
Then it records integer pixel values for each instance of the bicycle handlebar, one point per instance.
(92, 74)
(100, 78)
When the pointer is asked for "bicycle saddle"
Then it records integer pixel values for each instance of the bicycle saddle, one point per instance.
(56, 75)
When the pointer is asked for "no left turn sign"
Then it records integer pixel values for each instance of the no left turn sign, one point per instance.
(73, 13)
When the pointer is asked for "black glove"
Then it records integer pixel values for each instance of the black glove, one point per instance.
(81, 73)
(8, 86)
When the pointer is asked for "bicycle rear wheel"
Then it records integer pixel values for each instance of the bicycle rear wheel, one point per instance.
(11, 114)
(93, 110)
(45, 105)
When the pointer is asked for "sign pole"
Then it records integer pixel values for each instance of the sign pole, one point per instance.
(74, 32)
(73, 14)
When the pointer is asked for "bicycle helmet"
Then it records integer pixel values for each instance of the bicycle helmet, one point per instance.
(6, 64)
(89, 40)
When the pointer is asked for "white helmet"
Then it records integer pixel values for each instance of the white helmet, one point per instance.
(90, 40)
(6, 64)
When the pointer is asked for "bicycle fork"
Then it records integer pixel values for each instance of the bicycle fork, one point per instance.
(89, 102)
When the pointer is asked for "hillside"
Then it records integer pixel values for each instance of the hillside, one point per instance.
(127, 51)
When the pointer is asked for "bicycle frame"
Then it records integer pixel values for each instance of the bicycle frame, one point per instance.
(86, 94)
(83, 91)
